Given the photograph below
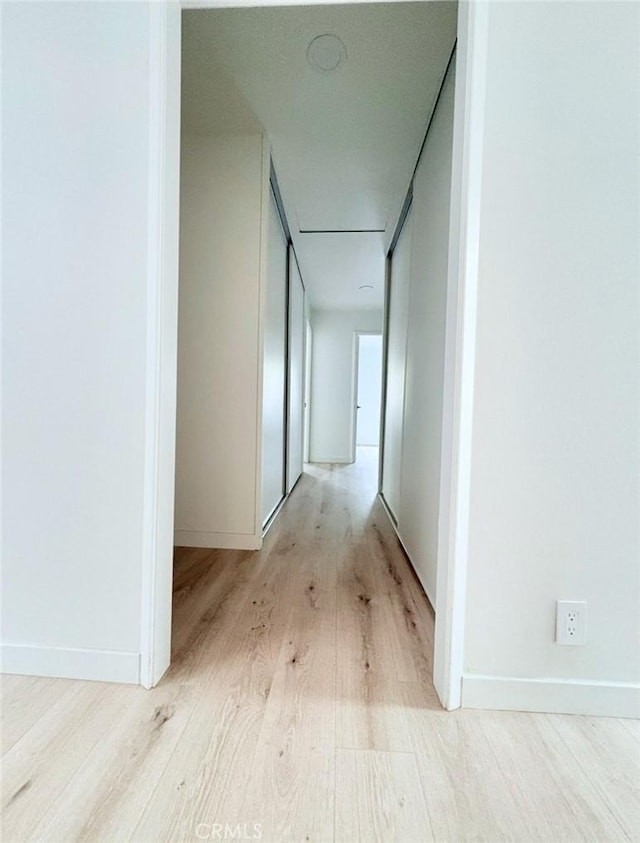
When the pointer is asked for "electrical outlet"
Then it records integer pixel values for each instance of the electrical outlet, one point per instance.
(571, 622)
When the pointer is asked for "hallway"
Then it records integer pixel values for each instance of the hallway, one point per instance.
(300, 700)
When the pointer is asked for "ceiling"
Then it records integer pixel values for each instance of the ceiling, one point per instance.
(337, 265)
(344, 142)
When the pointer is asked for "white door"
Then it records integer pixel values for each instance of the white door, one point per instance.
(308, 347)
(296, 374)
(369, 389)
(396, 361)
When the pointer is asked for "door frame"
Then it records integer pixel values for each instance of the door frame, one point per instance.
(355, 373)
(460, 348)
(162, 285)
(308, 352)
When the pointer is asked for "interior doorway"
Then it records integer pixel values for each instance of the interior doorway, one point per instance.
(368, 391)
(308, 347)
(458, 381)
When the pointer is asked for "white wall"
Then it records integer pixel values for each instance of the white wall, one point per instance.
(369, 389)
(223, 189)
(332, 381)
(274, 365)
(556, 464)
(78, 86)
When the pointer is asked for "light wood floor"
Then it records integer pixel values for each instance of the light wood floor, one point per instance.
(300, 699)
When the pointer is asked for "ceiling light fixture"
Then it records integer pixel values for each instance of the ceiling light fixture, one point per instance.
(326, 53)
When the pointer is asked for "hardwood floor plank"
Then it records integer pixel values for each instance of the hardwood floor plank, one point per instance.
(545, 780)
(189, 565)
(116, 780)
(38, 767)
(379, 798)
(223, 730)
(610, 763)
(385, 629)
(467, 794)
(369, 713)
(548, 810)
(291, 787)
(632, 727)
(411, 620)
(25, 699)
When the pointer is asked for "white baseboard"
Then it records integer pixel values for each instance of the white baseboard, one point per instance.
(63, 663)
(553, 696)
(339, 460)
(224, 541)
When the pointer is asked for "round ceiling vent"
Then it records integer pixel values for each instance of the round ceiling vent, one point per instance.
(326, 53)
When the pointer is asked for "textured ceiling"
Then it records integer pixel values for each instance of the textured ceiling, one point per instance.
(345, 142)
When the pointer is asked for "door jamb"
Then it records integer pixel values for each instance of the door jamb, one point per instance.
(459, 362)
(156, 581)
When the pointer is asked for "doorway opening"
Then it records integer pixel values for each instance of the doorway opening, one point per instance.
(368, 396)
(281, 237)
(306, 430)
(237, 95)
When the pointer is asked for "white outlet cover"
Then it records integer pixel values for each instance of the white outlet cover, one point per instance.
(571, 623)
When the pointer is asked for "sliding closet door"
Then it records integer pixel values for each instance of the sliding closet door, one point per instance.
(275, 361)
(296, 373)
(424, 377)
(398, 309)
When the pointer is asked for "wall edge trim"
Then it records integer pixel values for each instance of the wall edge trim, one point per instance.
(69, 663)
(338, 460)
(222, 541)
(551, 695)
